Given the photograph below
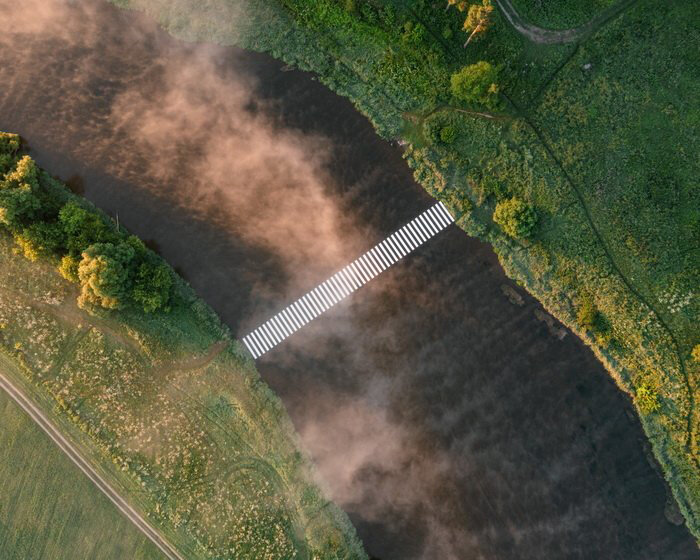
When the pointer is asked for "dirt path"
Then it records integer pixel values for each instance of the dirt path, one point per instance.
(559, 36)
(73, 454)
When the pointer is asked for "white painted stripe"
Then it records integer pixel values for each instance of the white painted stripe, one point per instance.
(384, 252)
(388, 257)
(266, 329)
(423, 237)
(396, 245)
(422, 227)
(377, 254)
(358, 273)
(345, 281)
(320, 299)
(251, 342)
(339, 288)
(253, 352)
(361, 271)
(293, 317)
(430, 227)
(432, 213)
(330, 288)
(399, 239)
(368, 265)
(277, 329)
(440, 216)
(286, 322)
(300, 306)
(414, 224)
(261, 342)
(311, 307)
(372, 259)
(327, 290)
(444, 210)
(299, 312)
(389, 250)
(351, 278)
(264, 344)
(410, 236)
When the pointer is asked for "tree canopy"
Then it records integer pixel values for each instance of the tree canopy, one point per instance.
(476, 83)
(515, 217)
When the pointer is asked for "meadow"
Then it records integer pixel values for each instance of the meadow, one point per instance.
(162, 401)
(49, 508)
(596, 137)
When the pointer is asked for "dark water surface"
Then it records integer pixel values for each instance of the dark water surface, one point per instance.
(446, 419)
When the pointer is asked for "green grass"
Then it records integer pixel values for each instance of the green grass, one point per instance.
(562, 14)
(599, 137)
(167, 407)
(49, 508)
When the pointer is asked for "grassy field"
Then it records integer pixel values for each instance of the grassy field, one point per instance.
(597, 138)
(166, 406)
(560, 15)
(48, 508)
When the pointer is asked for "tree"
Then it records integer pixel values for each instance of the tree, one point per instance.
(82, 228)
(106, 275)
(153, 284)
(18, 195)
(476, 83)
(515, 217)
(478, 19)
(40, 238)
(9, 145)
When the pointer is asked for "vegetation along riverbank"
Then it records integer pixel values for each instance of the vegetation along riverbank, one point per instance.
(572, 150)
(148, 385)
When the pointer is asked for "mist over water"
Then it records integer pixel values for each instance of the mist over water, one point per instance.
(445, 419)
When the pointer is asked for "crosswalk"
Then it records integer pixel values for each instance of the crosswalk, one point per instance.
(346, 281)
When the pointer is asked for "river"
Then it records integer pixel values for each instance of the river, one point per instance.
(442, 413)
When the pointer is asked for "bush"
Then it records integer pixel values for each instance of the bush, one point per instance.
(647, 399)
(477, 83)
(695, 354)
(152, 285)
(515, 217)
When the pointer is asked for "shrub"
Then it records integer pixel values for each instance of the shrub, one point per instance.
(515, 217)
(477, 83)
(647, 399)
(152, 285)
(695, 354)
(591, 320)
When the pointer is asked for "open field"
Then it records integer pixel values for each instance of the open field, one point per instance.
(49, 508)
(597, 138)
(168, 409)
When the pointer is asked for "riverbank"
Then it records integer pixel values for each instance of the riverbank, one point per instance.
(593, 250)
(165, 406)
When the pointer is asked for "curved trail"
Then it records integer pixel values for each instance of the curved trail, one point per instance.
(559, 36)
(67, 447)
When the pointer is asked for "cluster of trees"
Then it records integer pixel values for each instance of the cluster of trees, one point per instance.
(114, 269)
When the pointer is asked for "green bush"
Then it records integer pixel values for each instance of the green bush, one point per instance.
(476, 83)
(647, 399)
(515, 217)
